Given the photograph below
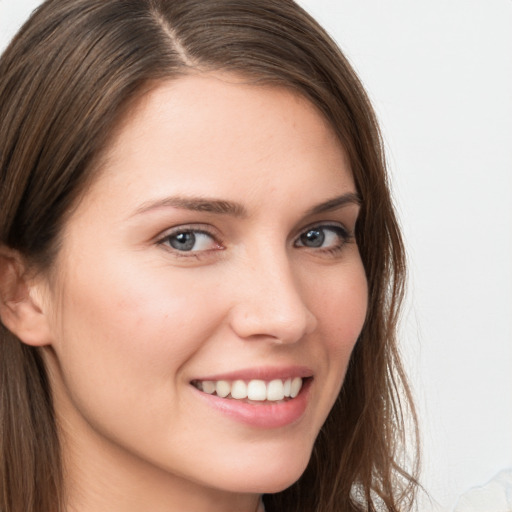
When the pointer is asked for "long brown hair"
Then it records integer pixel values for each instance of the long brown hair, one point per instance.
(65, 81)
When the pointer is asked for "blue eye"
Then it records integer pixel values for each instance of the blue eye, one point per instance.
(323, 237)
(191, 241)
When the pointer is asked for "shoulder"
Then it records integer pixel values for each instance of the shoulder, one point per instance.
(494, 496)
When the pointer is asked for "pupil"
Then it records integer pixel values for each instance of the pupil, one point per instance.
(313, 238)
(183, 241)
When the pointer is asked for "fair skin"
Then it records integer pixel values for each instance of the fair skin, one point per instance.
(215, 245)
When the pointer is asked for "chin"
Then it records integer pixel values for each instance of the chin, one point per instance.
(269, 476)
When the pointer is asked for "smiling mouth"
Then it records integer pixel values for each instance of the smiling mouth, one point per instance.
(276, 390)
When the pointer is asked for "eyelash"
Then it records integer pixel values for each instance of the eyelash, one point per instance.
(341, 232)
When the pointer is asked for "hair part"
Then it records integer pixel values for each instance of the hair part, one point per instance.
(66, 80)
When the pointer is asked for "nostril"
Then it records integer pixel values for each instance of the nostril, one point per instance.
(272, 322)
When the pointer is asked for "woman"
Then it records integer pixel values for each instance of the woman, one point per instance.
(201, 268)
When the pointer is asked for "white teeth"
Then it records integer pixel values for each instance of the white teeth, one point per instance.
(258, 390)
(275, 390)
(223, 388)
(295, 387)
(208, 386)
(239, 389)
(287, 387)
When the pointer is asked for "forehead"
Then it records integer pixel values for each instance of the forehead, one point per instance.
(211, 134)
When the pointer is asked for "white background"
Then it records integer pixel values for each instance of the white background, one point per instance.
(440, 76)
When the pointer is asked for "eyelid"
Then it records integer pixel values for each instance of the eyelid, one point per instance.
(335, 225)
(183, 228)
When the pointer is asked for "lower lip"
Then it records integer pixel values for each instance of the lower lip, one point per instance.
(263, 414)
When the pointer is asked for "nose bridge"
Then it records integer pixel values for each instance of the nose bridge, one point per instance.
(272, 303)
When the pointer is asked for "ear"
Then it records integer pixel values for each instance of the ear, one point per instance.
(21, 301)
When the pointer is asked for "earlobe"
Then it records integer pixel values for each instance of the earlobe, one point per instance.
(21, 308)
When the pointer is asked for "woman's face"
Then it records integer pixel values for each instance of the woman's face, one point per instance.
(214, 251)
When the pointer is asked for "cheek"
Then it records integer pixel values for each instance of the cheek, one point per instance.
(128, 328)
(124, 334)
(340, 309)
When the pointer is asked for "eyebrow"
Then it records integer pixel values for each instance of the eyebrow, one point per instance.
(224, 207)
(196, 204)
(350, 198)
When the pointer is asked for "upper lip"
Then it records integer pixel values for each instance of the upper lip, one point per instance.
(267, 373)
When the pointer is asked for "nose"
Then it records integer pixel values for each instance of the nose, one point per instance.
(270, 303)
